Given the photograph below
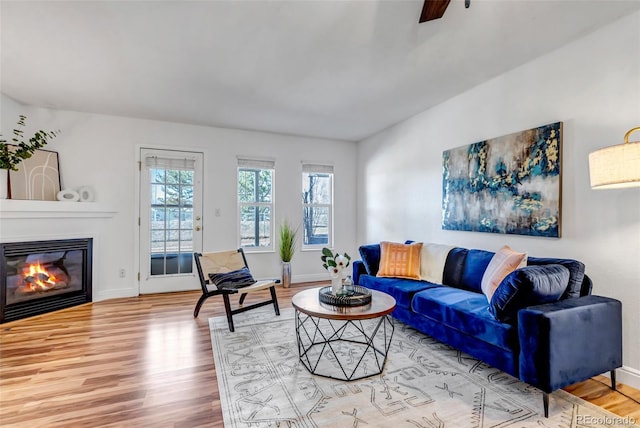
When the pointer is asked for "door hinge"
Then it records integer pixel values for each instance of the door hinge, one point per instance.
(139, 165)
(138, 276)
(138, 221)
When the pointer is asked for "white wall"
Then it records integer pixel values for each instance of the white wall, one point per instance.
(102, 151)
(593, 86)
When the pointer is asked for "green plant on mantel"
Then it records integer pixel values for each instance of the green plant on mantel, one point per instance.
(14, 152)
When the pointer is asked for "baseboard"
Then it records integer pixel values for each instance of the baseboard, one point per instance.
(628, 376)
(310, 278)
(114, 294)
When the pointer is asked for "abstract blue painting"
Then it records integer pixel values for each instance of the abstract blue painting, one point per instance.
(510, 184)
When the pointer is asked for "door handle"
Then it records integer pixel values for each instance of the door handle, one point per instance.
(198, 228)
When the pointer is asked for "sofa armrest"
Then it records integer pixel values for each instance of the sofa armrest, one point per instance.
(358, 269)
(568, 341)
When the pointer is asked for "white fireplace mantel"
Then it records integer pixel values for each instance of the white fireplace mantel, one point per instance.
(20, 209)
(23, 221)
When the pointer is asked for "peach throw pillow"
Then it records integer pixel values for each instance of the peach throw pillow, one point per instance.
(400, 260)
(504, 261)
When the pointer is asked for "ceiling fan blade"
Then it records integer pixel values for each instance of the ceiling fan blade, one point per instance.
(433, 9)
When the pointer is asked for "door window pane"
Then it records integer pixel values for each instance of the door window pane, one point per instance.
(171, 221)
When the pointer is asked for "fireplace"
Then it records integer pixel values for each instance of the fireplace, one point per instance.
(43, 276)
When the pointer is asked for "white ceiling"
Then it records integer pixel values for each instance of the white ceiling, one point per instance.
(333, 69)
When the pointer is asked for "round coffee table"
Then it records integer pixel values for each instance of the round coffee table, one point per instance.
(343, 342)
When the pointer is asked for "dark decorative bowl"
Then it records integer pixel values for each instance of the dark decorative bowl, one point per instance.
(360, 296)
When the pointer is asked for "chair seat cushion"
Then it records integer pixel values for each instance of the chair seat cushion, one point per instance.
(232, 280)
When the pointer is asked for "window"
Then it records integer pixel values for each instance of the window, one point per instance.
(255, 200)
(317, 205)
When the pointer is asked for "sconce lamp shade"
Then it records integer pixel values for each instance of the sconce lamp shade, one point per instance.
(616, 167)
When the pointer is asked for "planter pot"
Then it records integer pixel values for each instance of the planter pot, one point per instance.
(4, 183)
(286, 274)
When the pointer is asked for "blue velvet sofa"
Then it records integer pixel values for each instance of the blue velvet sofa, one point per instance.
(547, 341)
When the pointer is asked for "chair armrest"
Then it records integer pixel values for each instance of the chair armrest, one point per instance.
(565, 342)
(358, 269)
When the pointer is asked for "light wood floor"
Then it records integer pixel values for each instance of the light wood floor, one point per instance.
(141, 362)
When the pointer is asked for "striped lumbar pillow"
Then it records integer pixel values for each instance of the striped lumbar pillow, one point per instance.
(400, 260)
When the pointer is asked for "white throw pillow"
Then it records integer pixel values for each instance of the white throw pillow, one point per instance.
(432, 260)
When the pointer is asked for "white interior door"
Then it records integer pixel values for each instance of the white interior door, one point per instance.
(170, 219)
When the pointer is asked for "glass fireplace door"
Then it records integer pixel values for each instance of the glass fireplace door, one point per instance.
(171, 219)
(37, 277)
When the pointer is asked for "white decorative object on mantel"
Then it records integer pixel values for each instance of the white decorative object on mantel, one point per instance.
(86, 194)
(68, 195)
(83, 194)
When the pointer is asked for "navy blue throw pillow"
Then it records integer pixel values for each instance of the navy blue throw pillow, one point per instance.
(475, 264)
(371, 258)
(576, 273)
(528, 286)
(231, 280)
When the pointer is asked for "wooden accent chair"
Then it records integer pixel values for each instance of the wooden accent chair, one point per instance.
(210, 265)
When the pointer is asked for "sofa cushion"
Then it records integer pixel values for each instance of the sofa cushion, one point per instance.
(432, 260)
(531, 285)
(467, 312)
(503, 262)
(400, 260)
(576, 273)
(475, 264)
(371, 258)
(400, 289)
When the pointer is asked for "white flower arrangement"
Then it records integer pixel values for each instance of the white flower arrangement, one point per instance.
(334, 263)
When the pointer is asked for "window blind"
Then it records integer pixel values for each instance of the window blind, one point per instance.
(317, 168)
(256, 163)
(169, 163)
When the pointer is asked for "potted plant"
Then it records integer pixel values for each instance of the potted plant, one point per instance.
(13, 153)
(288, 236)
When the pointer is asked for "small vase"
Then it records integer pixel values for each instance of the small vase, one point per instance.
(336, 285)
(286, 274)
(4, 183)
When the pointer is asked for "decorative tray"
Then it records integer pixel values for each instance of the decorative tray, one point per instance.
(360, 296)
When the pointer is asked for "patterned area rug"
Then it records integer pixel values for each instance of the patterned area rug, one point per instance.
(425, 384)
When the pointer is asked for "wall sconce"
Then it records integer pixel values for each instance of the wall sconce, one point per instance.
(616, 167)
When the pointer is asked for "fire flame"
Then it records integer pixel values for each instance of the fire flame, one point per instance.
(37, 278)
